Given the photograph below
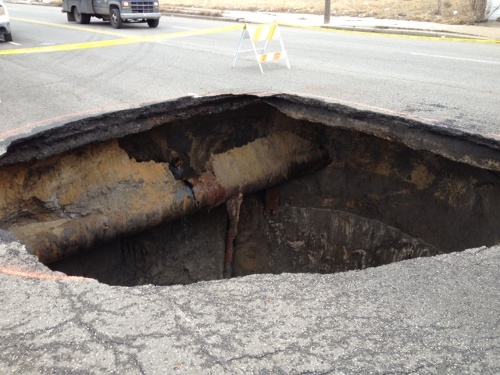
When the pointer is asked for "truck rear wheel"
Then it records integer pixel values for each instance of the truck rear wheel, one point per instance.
(8, 37)
(153, 23)
(115, 19)
(80, 18)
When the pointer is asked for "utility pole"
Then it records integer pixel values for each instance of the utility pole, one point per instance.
(327, 12)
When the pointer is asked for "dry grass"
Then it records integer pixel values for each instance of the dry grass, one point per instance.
(444, 11)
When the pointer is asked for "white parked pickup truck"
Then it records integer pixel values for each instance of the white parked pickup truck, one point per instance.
(115, 11)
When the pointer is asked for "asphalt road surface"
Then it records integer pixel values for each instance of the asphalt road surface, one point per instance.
(436, 315)
(44, 83)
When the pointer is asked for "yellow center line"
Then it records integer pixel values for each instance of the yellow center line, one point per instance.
(72, 27)
(118, 42)
(132, 40)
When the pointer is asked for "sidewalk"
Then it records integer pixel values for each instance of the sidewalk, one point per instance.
(487, 30)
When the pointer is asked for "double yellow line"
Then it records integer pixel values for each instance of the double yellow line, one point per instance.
(111, 42)
(148, 38)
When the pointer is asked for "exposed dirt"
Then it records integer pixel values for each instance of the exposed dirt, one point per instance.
(324, 188)
(444, 11)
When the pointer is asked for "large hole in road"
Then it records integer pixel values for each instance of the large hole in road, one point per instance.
(230, 185)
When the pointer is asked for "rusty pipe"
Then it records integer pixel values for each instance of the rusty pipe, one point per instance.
(257, 165)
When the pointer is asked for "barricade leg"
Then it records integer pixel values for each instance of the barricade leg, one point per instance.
(257, 56)
(286, 54)
(238, 50)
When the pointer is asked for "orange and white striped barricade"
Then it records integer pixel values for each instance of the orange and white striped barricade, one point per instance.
(262, 33)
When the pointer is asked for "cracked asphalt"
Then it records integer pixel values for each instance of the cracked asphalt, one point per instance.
(437, 315)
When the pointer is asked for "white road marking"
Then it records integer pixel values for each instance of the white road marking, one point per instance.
(456, 58)
(14, 43)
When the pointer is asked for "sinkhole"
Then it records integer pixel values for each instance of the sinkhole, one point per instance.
(223, 186)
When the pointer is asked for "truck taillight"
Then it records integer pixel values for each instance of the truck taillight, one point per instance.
(2, 10)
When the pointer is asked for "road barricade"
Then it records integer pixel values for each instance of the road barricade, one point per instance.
(262, 34)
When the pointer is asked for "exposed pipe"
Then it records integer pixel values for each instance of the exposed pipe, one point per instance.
(255, 166)
(233, 206)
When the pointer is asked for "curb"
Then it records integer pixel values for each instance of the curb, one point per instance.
(375, 29)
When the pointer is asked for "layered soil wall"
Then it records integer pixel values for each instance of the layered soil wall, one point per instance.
(140, 196)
